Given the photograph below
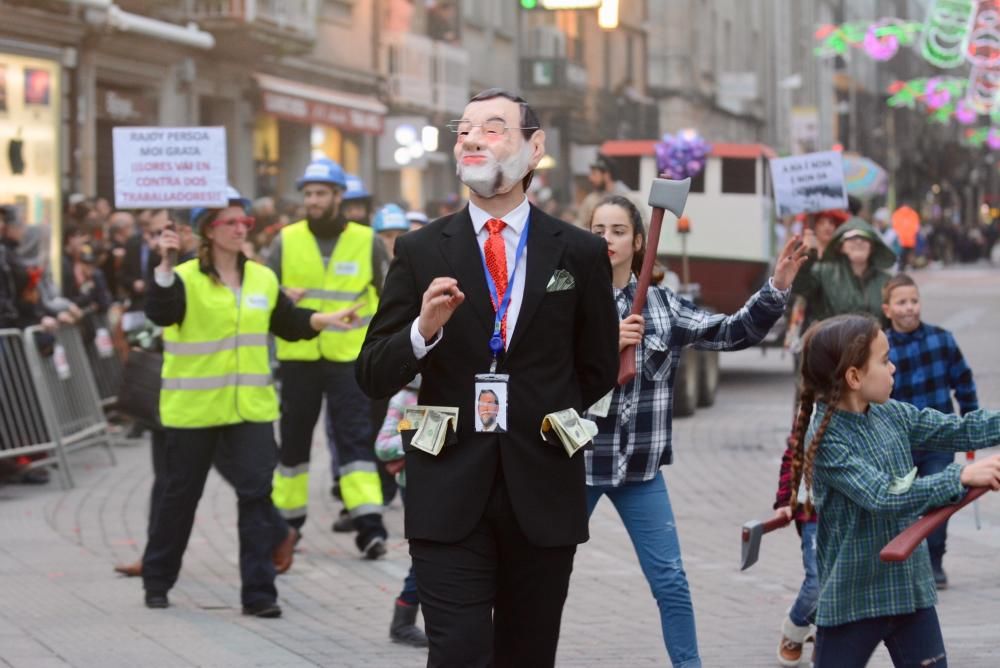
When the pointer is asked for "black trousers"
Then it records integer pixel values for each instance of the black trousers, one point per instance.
(493, 598)
(245, 455)
(303, 385)
(159, 451)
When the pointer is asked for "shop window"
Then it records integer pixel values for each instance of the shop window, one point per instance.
(698, 182)
(739, 176)
(265, 155)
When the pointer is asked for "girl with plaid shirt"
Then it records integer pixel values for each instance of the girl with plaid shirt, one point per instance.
(634, 420)
(867, 491)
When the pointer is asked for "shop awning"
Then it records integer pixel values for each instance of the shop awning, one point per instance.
(305, 103)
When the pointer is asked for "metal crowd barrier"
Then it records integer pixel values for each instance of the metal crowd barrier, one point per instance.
(104, 361)
(68, 398)
(24, 423)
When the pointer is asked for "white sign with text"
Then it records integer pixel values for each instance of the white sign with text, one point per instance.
(176, 168)
(809, 183)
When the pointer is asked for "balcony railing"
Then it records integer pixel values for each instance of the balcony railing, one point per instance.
(426, 74)
(451, 86)
(290, 24)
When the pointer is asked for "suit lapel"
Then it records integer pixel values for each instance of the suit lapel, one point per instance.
(544, 252)
(461, 252)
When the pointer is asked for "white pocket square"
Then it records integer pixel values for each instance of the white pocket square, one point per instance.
(561, 280)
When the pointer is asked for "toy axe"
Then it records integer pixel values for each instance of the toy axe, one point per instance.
(750, 537)
(665, 195)
(902, 546)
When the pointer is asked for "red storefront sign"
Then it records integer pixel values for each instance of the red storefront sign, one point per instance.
(302, 110)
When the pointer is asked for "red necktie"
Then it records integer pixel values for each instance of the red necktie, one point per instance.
(495, 251)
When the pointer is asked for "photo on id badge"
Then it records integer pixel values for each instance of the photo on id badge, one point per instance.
(491, 403)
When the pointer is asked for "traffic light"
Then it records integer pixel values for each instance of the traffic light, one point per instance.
(529, 4)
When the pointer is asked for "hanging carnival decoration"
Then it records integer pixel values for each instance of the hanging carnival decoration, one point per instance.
(954, 34)
(682, 155)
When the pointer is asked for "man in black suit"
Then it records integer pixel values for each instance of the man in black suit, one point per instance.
(494, 519)
(141, 257)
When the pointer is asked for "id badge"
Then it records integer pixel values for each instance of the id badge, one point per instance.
(490, 402)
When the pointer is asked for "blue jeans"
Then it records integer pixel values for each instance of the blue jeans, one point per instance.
(912, 640)
(645, 510)
(803, 611)
(929, 463)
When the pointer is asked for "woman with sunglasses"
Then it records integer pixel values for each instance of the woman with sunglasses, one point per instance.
(217, 398)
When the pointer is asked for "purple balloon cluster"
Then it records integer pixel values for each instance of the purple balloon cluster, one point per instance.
(682, 155)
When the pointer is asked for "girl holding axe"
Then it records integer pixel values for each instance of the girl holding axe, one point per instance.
(634, 420)
(859, 469)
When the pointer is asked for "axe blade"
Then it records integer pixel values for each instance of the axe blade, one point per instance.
(750, 537)
(669, 195)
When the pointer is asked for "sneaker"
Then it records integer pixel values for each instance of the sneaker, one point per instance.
(940, 579)
(793, 637)
(264, 610)
(374, 549)
(789, 653)
(157, 600)
(343, 523)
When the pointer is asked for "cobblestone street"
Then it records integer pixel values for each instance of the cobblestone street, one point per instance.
(64, 607)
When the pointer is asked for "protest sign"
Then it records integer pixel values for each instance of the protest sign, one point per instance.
(809, 183)
(170, 167)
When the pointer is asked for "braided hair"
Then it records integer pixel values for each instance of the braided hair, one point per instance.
(829, 349)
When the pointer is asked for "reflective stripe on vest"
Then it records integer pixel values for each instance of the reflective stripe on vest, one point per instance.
(345, 281)
(209, 347)
(216, 369)
(217, 382)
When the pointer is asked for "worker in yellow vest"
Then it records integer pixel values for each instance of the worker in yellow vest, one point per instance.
(217, 398)
(328, 263)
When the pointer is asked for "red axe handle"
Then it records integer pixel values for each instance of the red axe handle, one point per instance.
(776, 523)
(627, 361)
(902, 546)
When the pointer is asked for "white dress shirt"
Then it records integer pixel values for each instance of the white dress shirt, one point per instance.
(515, 221)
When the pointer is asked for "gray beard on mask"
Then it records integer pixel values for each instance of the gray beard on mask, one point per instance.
(496, 177)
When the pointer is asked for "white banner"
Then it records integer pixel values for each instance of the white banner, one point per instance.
(808, 183)
(176, 168)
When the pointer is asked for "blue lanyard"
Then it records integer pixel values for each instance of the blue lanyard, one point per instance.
(496, 342)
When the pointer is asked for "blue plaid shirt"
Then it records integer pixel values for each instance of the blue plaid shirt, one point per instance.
(929, 366)
(634, 439)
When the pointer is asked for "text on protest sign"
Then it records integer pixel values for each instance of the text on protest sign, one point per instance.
(809, 183)
(170, 167)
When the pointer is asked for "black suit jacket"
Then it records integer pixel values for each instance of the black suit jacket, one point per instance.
(563, 354)
(131, 271)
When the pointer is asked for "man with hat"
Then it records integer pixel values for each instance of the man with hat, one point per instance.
(389, 223)
(604, 178)
(356, 204)
(327, 263)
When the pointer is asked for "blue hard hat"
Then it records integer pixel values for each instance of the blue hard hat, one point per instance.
(323, 170)
(233, 197)
(355, 188)
(390, 217)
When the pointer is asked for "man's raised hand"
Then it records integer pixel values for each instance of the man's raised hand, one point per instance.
(440, 300)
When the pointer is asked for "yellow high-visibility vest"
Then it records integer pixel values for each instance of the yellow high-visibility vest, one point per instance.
(345, 281)
(215, 364)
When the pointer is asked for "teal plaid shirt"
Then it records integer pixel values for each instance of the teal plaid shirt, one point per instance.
(866, 492)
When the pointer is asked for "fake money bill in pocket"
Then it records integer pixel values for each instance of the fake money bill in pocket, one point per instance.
(431, 425)
(572, 431)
